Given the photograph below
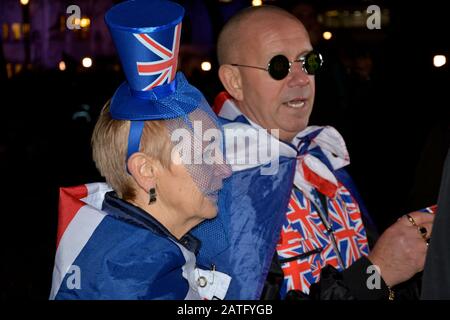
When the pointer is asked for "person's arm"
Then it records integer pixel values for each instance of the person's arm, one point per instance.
(400, 251)
(399, 254)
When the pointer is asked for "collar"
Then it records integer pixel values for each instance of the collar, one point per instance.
(320, 150)
(131, 214)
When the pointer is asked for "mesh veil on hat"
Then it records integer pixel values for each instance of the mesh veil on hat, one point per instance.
(146, 34)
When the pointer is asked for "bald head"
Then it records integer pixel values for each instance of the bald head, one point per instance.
(247, 44)
(243, 25)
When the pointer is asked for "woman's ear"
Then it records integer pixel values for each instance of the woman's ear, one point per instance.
(143, 169)
(231, 80)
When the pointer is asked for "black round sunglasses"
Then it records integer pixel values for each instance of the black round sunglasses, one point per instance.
(280, 66)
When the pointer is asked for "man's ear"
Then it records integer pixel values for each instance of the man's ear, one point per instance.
(143, 169)
(231, 80)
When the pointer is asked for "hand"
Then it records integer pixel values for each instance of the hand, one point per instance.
(400, 251)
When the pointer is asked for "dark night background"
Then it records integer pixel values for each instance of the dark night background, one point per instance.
(379, 88)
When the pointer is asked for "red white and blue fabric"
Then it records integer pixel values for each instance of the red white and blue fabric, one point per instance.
(321, 157)
(79, 215)
(119, 259)
(321, 152)
(304, 233)
(239, 242)
(165, 66)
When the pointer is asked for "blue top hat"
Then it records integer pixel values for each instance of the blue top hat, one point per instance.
(146, 34)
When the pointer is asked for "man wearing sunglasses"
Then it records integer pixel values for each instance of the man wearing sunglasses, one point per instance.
(267, 66)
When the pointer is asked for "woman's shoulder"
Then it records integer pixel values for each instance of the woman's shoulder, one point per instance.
(119, 238)
(124, 261)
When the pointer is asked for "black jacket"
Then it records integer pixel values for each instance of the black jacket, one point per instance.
(436, 279)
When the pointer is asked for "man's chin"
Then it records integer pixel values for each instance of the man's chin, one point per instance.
(287, 133)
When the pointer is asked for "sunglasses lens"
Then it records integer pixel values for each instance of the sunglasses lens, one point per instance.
(279, 67)
(313, 62)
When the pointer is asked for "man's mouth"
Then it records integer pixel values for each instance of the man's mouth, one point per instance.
(296, 103)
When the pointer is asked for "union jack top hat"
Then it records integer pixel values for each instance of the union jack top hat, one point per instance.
(146, 34)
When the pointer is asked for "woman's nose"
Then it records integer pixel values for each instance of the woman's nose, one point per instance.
(223, 170)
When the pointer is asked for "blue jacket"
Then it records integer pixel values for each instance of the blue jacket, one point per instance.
(130, 255)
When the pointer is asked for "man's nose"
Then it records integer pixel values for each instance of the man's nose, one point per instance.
(298, 77)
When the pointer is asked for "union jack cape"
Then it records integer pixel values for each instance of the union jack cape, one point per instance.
(296, 224)
(109, 249)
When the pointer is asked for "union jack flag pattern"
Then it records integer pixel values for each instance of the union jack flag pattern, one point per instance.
(165, 66)
(305, 237)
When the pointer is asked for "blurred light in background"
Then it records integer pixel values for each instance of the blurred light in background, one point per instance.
(16, 30)
(85, 22)
(87, 62)
(26, 29)
(327, 35)
(332, 13)
(439, 60)
(76, 21)
(5, 31)
(62, 66)
(9, 70)
(206, 66)
(17, 68)
(24, 2)
(256, 3)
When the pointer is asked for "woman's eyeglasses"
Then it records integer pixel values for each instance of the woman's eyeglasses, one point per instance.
(280, 66)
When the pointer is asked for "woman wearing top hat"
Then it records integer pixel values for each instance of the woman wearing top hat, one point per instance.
(136, 244)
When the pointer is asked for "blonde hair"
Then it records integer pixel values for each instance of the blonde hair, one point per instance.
(109, 150)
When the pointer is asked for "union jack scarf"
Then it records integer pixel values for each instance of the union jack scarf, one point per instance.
(312, 235)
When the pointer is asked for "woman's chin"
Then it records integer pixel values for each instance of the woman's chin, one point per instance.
(210, 209)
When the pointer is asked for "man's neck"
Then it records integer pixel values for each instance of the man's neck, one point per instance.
(281, 135)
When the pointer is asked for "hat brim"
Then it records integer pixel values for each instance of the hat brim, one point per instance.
(126, 106)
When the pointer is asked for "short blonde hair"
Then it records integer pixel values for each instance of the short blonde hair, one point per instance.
(109, 150)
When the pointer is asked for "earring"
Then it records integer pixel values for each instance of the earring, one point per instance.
(152, 195)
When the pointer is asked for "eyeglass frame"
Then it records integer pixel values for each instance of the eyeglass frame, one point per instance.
(301, 59)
